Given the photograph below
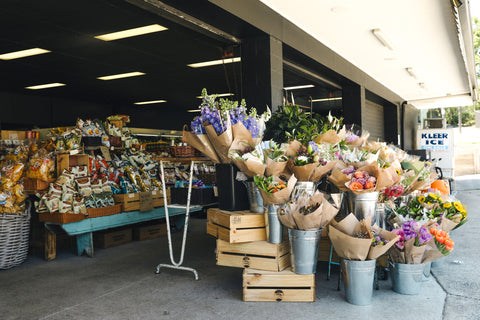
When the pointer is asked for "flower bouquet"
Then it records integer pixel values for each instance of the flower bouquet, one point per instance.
(313, 161)
(358, 240)
(454, 215)
(198, 139)
(250, 160)
(273, 190)
(307, 213)
(411, 247)
(275, 158)
(416, 175)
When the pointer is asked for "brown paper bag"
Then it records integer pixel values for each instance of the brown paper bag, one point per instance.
(287, 220)
(292, 148)
(221, 143)
(274, 168)
(281, 196)
(339, 180)
(328, 213)
(431, 252)
(201, 143)
(396, 255)
(347, 225)
(447, 225)
(321, 171)
(303, 173)
(349, 247)
(241, 137)
(310, 221)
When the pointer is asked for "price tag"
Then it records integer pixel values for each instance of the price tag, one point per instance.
(106, 153)
(146, 201)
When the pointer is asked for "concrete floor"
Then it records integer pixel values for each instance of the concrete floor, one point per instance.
(120, 283)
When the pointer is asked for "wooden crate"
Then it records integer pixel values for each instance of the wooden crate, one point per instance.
(112, 238)
(13, 135)
(150, 231)
(236, 226)
(105, 211)
(36, 184)
(260, 255)
(131, 201)
(66, 161)
(260, 285)
(57, 217)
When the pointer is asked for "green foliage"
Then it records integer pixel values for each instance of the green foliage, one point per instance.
(468, 116)
(290, 122)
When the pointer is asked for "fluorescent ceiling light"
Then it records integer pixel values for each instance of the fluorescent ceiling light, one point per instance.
(193, 110)
(150, 102)
(22, 54)
(299, 87)
(131, 32)
(412, 72)
(218, 95)
(382, 37)
(327, 99)
(121, 75)
(47, 85)
(214, 62)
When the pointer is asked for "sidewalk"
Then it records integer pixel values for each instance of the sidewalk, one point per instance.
(120, 283)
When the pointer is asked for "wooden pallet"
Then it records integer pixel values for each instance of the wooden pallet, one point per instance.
(260, 255)
(236, 226)
(260, 285)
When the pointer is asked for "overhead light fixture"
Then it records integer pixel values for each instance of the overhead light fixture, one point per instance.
(218, 95)
(150, 102)
(22, 53)
(422, 85)
(299, 87)
(45, 86)
(131, 32)
(412, 72)
(193, 110)
(327, 99)
(214, 62)
(382, 37)
(121, 75)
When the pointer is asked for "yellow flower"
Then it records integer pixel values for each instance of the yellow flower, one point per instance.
(429, 203)
(440, 199)
(447, 205)
(421, 199)
(434, 196)
(458, 205)
(464, 213)
(398, 172)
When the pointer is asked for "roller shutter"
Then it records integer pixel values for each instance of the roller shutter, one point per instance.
(374, 121)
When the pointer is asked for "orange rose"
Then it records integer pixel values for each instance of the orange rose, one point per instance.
(369, 185)
(355, 186)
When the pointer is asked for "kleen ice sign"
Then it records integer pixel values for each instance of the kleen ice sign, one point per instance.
(434, 140)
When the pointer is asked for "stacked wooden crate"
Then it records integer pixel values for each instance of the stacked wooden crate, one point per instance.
(242, 243)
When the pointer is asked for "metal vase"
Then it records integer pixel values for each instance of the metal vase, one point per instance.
(254, 197)
(362, 205)
(358, 277)
(274, 227)
(307, 188)
(304, 250)
(407, 278)
(381, 215)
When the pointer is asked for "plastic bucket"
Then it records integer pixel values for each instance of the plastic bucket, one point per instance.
(358, 279)
(362, 205)
(304, 250)
(274, 227)
(255, 199)
(407, 278)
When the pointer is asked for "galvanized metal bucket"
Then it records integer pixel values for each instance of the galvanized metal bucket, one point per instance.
(304, 250)
(274, 227)
(426, 270)
(307, 188)
(254, 197)
(362, 205)
(407, 278)
(358, 279)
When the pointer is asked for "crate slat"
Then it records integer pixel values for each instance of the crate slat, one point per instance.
(236, 226)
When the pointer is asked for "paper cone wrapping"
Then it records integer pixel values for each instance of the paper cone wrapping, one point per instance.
(330, 137)
(346, 225)
(339, 179)
(292, 148)
(317, 219)
(413, 254)
(349, 247)
(201, 143)
(241, 137)
(321, 171)
(447, 225)
(329, 212)
(303, 173)
(280, 197)
(287, 220)
(431, 252)
(221, 143)
(377, 251)
(250, 167)
(396, 255)
(274, 168)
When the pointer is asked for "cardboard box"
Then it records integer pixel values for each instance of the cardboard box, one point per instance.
(150, 231)
(131, 201)
(66, 161)
(112, 237)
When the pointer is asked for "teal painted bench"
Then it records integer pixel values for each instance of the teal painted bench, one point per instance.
(83, 229)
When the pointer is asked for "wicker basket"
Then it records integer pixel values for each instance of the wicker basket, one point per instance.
(14, 229)
(182, 151)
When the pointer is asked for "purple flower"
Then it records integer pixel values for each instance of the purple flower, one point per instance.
(424, 236)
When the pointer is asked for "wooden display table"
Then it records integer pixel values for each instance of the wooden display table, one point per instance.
(83, 229)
